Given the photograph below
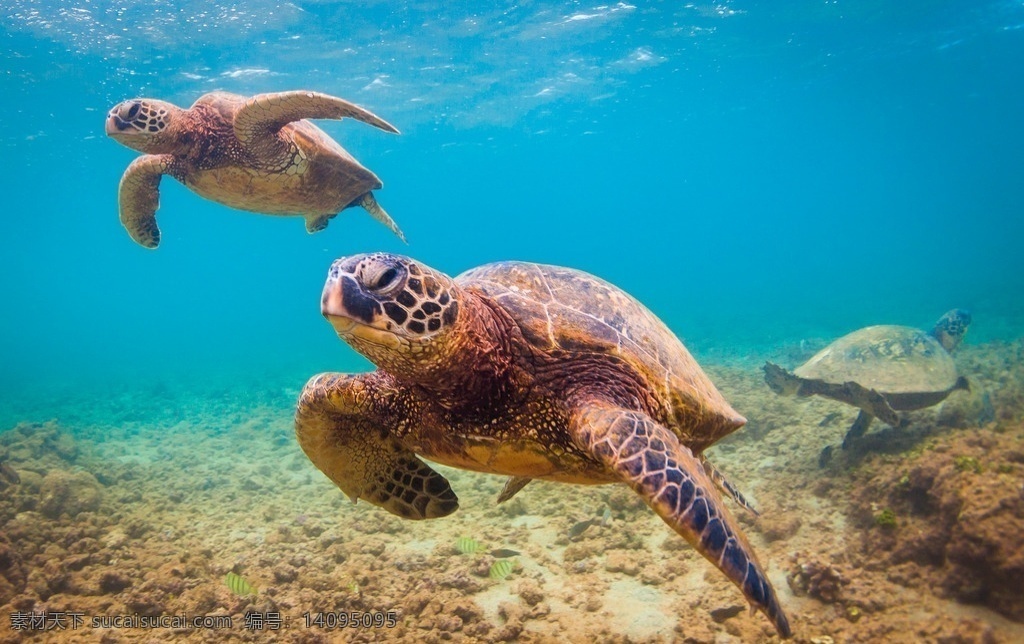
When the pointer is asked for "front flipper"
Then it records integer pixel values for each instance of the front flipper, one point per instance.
(858, 428)
(649, 458)
(139, 197)
(781, 381)
(339, 432)
(869, 401)
(787, 384)
(267, 113)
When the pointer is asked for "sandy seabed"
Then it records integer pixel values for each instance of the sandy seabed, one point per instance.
(138, 501)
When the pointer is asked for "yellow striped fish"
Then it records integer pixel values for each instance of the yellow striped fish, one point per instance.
(239, 585)
(500, 569)
(468, 546)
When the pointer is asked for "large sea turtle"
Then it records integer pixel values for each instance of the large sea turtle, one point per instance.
(881, 370)
(255, 154)
(524, 370)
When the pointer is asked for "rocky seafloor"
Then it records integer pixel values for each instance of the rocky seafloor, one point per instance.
(138, 501)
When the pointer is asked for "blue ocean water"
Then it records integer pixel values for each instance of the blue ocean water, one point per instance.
(757, 173)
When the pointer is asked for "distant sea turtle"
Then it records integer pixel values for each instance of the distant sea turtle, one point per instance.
(525, 370)
(880, 369)
(254, 154)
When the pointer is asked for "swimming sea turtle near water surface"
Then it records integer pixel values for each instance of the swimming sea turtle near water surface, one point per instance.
(256, 154)
(524, 370)
(881, 370)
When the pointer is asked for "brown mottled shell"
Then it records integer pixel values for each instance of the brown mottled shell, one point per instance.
(564, 309)
(890, 359)
(319, 177)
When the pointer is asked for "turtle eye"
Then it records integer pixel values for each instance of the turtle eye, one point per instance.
(384, 280)
(133, 111)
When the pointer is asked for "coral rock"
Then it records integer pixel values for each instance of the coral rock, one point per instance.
(815, 579)
(68, 493)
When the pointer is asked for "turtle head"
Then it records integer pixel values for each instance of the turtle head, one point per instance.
(145, 124)
(392, 309)
(951, 328)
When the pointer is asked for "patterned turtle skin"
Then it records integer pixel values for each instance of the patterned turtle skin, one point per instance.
(523, 370)
(256, 154)
(882, 370)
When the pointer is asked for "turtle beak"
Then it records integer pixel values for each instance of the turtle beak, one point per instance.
(332, 306)
(352, 311)
(342, 326)
(114, 124)
(344, 302)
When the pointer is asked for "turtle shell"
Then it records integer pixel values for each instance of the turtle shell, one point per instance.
(889, 359)
(308, 137)
(322, 178)
(562, 310)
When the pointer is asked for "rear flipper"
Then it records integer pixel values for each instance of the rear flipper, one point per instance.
(512, 487)
(316, 223)
(650, 459)
(369, 203)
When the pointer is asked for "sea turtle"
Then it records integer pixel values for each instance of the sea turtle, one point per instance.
(880, 369)
(256, 154)
(525, 370)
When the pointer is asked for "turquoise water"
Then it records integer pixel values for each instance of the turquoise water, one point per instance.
(757, 173)
(765, 176)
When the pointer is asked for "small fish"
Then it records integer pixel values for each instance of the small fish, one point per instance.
(722, 614)
(504, 553)
(500, 569)
(468, 546)
(603, 519)
(581, 526)
(828, 420)
(239, 585)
